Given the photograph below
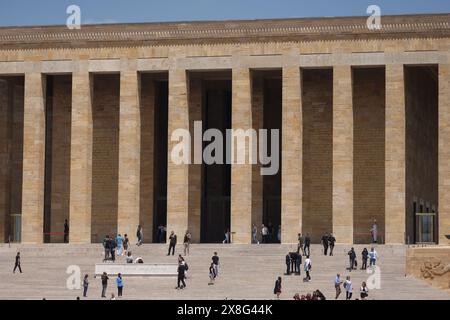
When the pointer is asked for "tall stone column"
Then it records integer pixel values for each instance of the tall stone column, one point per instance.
(177, 174)
(395, 155)
(291, 155)
(241, 173)
(5, 123)
(33, 159)
(129, 154)
(81, 158)
(444, 153)
(342, 154)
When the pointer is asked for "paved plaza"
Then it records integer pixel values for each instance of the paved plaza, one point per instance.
(247, 272)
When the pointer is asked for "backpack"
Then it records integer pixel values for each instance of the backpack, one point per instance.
(186, 267)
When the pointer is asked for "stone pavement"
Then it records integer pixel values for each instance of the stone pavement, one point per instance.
(247, 272)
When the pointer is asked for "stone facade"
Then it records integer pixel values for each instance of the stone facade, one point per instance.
(346, 125)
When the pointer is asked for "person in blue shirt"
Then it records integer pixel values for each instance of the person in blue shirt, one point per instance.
(119, 241)
(119, 282)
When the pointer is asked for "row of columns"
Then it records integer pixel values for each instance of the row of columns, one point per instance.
(241, 174)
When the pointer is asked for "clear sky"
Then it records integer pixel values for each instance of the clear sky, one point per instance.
(50, 12)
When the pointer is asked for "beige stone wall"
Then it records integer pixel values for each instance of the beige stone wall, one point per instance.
(368, 152)
(317, 97)
(60, 156)
(105, 155)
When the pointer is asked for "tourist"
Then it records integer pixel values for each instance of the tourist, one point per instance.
(307, 267)
(85, 285)
(139, 235)
(17, 263)
(300, 244)
(66, 231)
(112, 248)
(324, 241)
(364, 291)
(129, 258)
(348, 288)
(298, 262)
(215, 260)
(277, 288)
(187, 242)
(172, 243)
(119, 241)
(104, 284)
(212, 274)
(264, 233)
(119, 282)
(337, 285)
(113, 297)
(126, 243)
(373, 256)
(364, 256)
(107, 247)
(307, 244)
(255, 234)
(181, 276)
(331, 241)
(352, 258)
(227, 238)
(374, 232)
(279, 233)
(180, 259)
(288, 264)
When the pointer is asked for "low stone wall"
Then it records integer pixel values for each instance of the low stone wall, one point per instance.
(431, 264)
(137, 269)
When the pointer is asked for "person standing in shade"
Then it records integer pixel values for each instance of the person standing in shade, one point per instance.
(139, 235)
(181, 276)
(348, 288)
(300, 244)
(107, 247)
(264, 232)
(17, 263)
(364, 256)
(352, 258)
(374, 231)
(187, 242)
(104, 284)
(307, 245)
(337, 285)
(119, 282)
(325, 244)
(172, 243)
(255, 234)
(373, 256)
(308, 267)
(364, 291)
(66, 231)
(332, 241)
(227, 238)
(85, 285)
(277, 288)
(215, 261)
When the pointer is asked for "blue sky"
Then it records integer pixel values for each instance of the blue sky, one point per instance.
(50, 12)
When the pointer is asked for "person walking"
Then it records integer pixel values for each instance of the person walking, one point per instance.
(300, 244)
(139, 235)
(112, 249)
(212, 274)
(325, 244)
(215, 260)
(104, 279)
(364, 291)
(181, 276)
(17, 263)
(331, 241)
(307, 245)
(277, 288)
(373, 256)
(119, 241)
(126, 243)
(308, 267)
(227, 235)
(85, 285)
(364, 257)
(337, 285)
(348, 288)
(119, 282)
(106, 247)
(66, 231)
(172, 243)
(352, 258)
(374, 231)
(187, 242)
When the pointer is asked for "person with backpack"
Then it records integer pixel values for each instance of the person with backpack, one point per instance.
(307, 267)
(364, 256)
(352, 258)
(348, 288)
(277, 288)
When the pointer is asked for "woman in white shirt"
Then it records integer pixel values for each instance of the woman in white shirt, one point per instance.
(364, 291)
(348, 289)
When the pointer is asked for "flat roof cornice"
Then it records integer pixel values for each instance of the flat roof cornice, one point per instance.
(301, 29)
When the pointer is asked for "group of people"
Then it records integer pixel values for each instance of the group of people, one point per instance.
(348, 286)
(366, 255)
(269, 234)
(316, 295)
(112, 246)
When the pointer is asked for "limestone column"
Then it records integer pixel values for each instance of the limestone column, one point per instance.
(342, 154)
(5, 123)
(241, 173)
(33, 159)
(129, 155)
(444, 153)
(291, 155)
(177, 174)
(395, 155)
(81, 158)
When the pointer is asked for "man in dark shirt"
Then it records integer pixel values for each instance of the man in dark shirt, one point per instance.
(352, 258)
(331, 241)
(325, 244)
(104, 284)
(181, 275)
(307, 244)
(17, 264)
(215, 260)
(172, 242)
(66, 231)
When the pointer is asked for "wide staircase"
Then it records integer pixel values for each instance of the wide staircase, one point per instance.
(246, 272)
